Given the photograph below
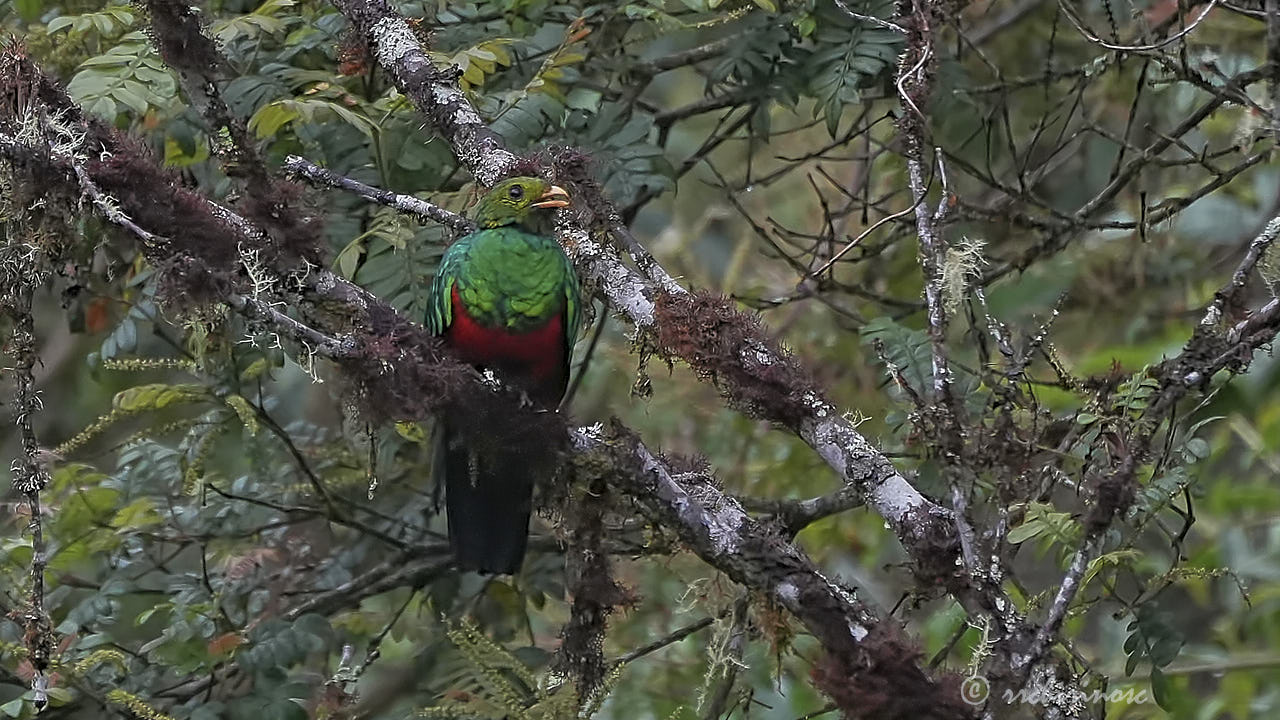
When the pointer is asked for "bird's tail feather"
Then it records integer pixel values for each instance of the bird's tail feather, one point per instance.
(488, 498)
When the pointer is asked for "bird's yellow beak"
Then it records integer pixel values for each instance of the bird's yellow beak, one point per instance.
(554, 197)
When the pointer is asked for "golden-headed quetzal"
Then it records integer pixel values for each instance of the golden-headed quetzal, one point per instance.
(506, 298)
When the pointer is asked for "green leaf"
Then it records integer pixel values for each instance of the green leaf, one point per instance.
(832, 111)
(352, 118)
(13, 708)
(255, 369)
(127, 94)
(16, 551)
(1160, 688)
(1198, 447)
(138, 514)
(1115, 558)
(175, 155)
(1025, 532)
(636, 129)
(411, 431)
(29, 10)
(268, 120)
(145, 615)
(806, 24)
(87, 507)
(103, 107)
(158, 395)
(59, 696)
(1166, 650)
(349, 259)
(584, 99)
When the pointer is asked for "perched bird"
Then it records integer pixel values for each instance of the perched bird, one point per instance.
(505, 298)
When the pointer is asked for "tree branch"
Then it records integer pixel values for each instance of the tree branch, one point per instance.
(420, 209)
(861, 647)
(22, 268)
(1208, 351)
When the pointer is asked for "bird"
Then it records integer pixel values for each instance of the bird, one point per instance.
(504, 298)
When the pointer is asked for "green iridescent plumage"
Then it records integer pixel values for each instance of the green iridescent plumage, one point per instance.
(508, 277)
(505, 298)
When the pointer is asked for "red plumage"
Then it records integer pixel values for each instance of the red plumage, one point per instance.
(534, 359)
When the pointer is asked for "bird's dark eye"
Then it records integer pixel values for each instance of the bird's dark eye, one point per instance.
(516, 192)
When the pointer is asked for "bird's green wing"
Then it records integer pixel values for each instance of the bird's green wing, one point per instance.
(440, 300)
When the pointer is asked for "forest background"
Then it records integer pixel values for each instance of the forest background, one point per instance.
(1020, 247)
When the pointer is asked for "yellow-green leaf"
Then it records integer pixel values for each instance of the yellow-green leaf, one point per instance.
(412, 431)
(270, 118)
(255, 369)
(157, 395)
(137, 514)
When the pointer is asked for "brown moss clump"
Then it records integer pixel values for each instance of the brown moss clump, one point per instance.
(276, 206)
(575, 168)
(936, 548)
(729, 346)
(596, 594)
(281, 208)
(155, 199)
(1113, 496)
(690, 465)
(425, 380)
(885, 682)
(176, 31)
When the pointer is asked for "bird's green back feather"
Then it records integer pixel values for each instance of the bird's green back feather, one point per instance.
(506, 275)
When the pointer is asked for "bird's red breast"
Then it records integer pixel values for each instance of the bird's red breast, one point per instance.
(535, 358)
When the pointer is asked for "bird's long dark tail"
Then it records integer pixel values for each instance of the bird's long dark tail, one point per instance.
(488, 497)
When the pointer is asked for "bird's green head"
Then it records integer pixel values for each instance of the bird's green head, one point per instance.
(511, 201)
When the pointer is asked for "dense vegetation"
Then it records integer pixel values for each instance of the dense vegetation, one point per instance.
(1022, 247)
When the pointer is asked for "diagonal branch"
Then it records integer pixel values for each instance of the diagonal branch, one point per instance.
(368, 339)
(748, 369)
(1208, 351)
(863, 651)
(433, 91)
(421, 209)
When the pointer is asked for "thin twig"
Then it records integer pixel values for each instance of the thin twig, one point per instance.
(421, 209)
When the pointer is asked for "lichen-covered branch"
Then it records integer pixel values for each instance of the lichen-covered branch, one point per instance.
(1212, 348)
(21, 271)
(434, 91)
(866, 656)
(915, 70)
(822, 425)
(408, 204)
(402, 372)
